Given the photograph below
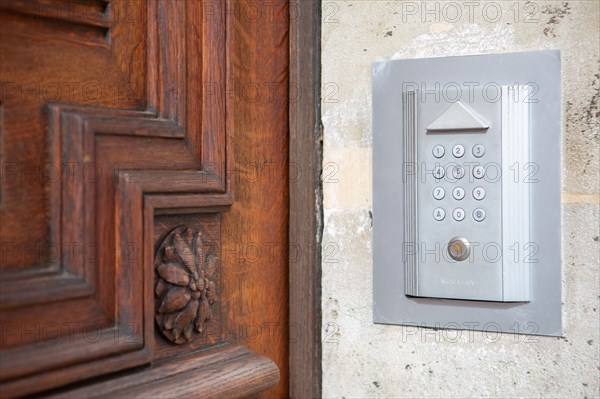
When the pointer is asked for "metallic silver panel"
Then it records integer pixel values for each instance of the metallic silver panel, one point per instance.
(517, 248)
(480, 276)
(409, 107)
(541, 72)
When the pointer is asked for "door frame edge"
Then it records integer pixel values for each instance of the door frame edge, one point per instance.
(306, 195)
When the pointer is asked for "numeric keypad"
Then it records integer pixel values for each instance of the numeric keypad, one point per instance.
(448, 177)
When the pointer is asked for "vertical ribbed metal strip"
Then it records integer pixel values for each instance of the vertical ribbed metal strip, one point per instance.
(409, 105)
(515, 193)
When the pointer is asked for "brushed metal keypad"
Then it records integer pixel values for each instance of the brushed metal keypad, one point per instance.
(452, 177)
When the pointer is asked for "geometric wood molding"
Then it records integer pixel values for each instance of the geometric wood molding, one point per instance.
(85, 22)
(165, 153)
(228, 372)
(116, 298)
(186, 284)
(170, 158)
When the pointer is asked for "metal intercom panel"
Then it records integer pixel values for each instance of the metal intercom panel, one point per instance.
(464, 210)
(466, 157)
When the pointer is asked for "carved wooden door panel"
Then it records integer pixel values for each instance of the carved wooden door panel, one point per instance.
(143, 198)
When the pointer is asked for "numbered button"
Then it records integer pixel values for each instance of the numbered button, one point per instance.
(439, 214)
(458, 193)
(438, 172)
(478, 172)
(458, 172)
(439, 193)
(479, 215)
(438, 151)
(478, 150)
(458, 214)
(478, 193)
(458, 151)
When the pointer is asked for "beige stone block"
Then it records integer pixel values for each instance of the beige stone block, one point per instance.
(347, 178)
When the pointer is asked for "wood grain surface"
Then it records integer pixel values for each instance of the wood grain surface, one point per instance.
(121, 120)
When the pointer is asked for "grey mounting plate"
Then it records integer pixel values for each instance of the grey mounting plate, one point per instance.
(539, 70)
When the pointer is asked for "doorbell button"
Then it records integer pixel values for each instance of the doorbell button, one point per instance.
(438, 151)
(459, 248)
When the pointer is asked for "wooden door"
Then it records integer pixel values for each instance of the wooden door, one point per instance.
(144, 198)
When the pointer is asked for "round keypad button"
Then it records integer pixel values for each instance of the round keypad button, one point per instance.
(458, 151)
(439, 214)
(438, 151)
(458, 193)
(478, 193)
(459, 248)
(458, 214)
(458, 172)
(478, 172)
(438, 172)
(478, 150)
(439, 193)
(479, 215)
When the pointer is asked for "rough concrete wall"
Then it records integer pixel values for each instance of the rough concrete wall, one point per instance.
(363, 360)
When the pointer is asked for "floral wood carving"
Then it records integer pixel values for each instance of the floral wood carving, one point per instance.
(185, 290)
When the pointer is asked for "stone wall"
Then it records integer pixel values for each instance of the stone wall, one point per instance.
(364, 360)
